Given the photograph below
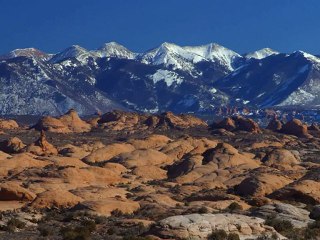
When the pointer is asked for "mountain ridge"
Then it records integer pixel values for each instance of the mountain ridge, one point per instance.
(169, 77)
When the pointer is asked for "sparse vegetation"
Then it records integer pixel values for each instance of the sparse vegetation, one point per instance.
(13, 224)
(234, 207)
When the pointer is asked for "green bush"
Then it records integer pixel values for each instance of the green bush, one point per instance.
(233, 236)
(281, 226)
(234, 207)
(218, 235)
(14, 224)
(203, 210)
(45, 230)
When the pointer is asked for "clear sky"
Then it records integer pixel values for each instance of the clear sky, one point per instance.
(241, 25)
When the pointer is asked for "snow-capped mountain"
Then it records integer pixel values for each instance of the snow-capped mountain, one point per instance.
(169, 77)
(262, 53)
(113, 49)
(278, 80)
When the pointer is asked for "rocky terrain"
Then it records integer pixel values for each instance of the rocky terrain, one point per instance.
(127, 175)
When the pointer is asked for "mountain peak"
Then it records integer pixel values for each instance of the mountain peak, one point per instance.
(262, 53)
(114, 49)
(74, 51)
(26, 52)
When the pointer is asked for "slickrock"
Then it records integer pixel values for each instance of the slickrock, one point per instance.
(56, 198)
(8, 124)
(297, 128)
(118, 120)
(150, 172)
(12, 191)
(144, 157)
(108, 152)
(262, 182)
(73, 122)
(280, 158)
(153, 141)
(275, 125)
(200, 226)
(19, 162)
(238, 123)
(51, 124)
(107, 207)
(67, 123)
(12, 145)
(42, 146)
(299, 217)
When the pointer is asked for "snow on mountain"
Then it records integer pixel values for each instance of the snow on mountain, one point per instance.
(75, 51)
(27, 52)
(168, 77)
(262, 53)
(185, 58)
(213, 52)
(113, 49)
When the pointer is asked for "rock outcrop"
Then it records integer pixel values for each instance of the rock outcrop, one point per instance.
(238, 123)
(8, 124)
(297, 128)
(42, 146)
(67, 123)
(200, 226)
(12, 145)
(12, 191)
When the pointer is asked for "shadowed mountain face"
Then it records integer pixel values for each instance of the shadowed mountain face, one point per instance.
(180, 79)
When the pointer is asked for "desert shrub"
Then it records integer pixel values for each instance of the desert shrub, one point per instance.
(14, 224)
(136, 238)
(233, 236)
(82, 232)
(89, 224)
(281, 226)
(203, 210)
(234, 207)
(77, 233)
(45, 230)
(117, 213)
(112, 231)
(218, 235)
(99, 219)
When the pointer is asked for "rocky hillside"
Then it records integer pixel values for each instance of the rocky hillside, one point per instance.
(167, 78)
(124, 175)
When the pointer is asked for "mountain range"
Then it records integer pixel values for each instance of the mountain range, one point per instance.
(196, 79)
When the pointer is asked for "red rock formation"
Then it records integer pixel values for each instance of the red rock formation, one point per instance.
(297, 128)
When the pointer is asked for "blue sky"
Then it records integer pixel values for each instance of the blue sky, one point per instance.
(241, 25)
